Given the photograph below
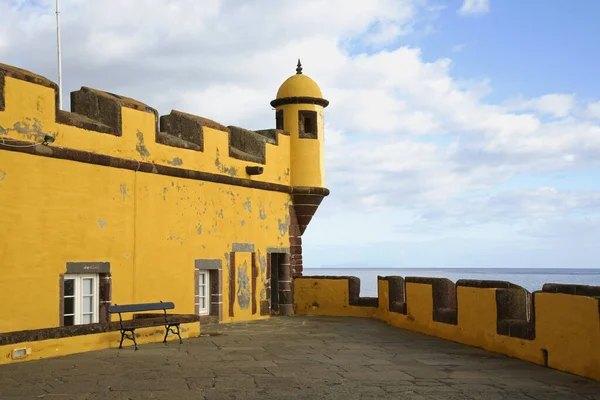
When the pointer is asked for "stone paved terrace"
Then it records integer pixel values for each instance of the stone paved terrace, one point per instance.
(294, 358)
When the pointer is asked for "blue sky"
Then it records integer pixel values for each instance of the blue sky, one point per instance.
(478, 120)
(528, 47)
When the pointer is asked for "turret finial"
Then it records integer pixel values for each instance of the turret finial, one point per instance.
(299, 68)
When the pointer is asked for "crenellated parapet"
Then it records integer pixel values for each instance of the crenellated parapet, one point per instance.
(103, 124)
(558, 326)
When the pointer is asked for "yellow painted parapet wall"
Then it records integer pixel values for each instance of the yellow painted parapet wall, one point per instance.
(558, 326)
(117, 126)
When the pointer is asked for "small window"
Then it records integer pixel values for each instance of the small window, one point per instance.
(279, 120)
(81, 302)
(203, 293)
(307, 124)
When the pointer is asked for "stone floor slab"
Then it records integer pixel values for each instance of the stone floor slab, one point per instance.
(294, 358)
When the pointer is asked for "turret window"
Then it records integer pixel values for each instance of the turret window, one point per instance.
(279, 119)
(307, 124)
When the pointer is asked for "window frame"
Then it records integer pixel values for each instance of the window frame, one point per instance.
(78, 297)
(313, 117)
(206, 310)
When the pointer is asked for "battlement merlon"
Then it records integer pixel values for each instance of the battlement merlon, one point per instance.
(106, 124)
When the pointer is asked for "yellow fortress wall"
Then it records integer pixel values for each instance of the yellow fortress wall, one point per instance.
(558, 326)
(148, 204)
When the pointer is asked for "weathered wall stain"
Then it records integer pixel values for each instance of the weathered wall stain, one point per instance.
(248, 205)
(284, 225)
(199, 228)
(175, 161)
(3, 131)
(243, 284)
(232, 171)
(101, 223)
(2, 175)
(123, 189)
(30, 128)
(262, 262)
(261, 211)
(140, 147)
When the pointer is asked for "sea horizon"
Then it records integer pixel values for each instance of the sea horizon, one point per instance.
(531, 278)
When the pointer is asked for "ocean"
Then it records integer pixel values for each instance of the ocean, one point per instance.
(531, 279)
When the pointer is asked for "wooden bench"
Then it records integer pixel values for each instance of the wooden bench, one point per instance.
(128, 327)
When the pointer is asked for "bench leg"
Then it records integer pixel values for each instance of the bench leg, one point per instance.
(170, 329)
(134, 341)
(122, 337)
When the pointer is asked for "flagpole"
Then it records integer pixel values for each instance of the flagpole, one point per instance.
(58, 54)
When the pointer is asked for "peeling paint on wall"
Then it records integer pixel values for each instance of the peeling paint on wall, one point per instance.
(220, 214)
(232, 171)
(248, 205)
(262, 262)
(283, 225)
(2, 175)
(30, 128)
(140, 146)
(3, 131)
(199, 228)
(101, 223)
(242, 222)
(123, 188)
(261, 211)
(175, 161)
(243, 283)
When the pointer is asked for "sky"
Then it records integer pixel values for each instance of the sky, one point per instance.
(460, 133)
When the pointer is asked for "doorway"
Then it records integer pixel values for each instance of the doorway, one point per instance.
(274, 261)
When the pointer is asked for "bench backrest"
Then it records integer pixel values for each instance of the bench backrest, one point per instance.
(125, 308)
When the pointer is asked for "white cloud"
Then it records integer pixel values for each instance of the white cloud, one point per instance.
(474, 7)
(408, 144)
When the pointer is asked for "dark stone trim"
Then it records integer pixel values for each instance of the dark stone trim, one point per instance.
(215, 298)
(299, 100)
(279, 119)
(486, 284)
(63, 153)
(254, 276)
(285, 250)
(208, 264)
(88, 267)
(512, 307)
(231, 282)
(104, 297)
(269, 284)
(303, 115)
(354, 298)
(197, 291)
(577, 290)
(76, 330)
(396, 293)
(61, 300)
(445, 307)
(242, 247)
(265, 308)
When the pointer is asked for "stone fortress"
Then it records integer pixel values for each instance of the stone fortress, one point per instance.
(112, 204)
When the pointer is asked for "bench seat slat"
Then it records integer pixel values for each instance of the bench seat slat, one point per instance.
(150, 325)
(125, 308)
